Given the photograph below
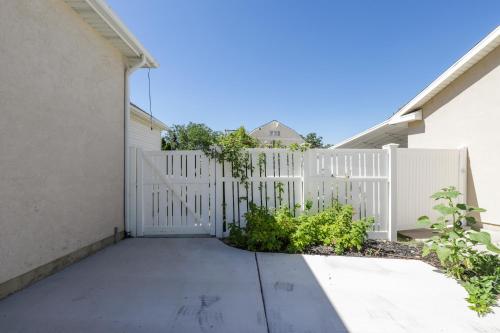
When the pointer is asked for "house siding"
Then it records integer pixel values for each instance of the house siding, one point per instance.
(141, 135)
(467, 113)
(61, 135)
(287, 135)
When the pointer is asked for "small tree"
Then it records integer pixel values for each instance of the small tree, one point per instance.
(192, 136)
(314, 140)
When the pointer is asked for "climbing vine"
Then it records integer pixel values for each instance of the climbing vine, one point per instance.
(230, 148)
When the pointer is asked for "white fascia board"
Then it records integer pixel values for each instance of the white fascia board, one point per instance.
(104, 12)
(359, 135)
(147, 117)
(406, 118)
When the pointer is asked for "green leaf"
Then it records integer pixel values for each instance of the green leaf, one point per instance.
(424, 221)
(462, 206)
(492, 248)
(445, 209)
(480, 236)
(477, 209)
(484, 238)
(446, 193)
(443, 253)
(470, 220)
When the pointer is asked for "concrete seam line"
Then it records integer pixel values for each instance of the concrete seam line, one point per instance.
(262, 292)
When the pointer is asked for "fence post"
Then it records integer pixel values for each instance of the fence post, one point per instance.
(392, 149)
(306, 176)
(132, 192)
(138, 230)
(462, 181)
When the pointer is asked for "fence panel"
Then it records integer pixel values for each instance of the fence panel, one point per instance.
(421, 172)
(185, 192)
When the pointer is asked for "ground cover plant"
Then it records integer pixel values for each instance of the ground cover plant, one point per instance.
(280, 231)
(457, 249)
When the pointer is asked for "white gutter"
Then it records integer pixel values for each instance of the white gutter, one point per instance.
(128, 72)
(114, 23)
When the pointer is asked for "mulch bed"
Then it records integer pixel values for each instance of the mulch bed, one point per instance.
(383, 249)
(378, 249)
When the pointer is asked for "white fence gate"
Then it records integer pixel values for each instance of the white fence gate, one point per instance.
(187, 193)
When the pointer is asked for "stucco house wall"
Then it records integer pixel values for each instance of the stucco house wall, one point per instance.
(61, 135)
(286, 136)
(467, 113)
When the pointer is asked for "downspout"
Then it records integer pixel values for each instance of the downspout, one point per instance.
(126, 196)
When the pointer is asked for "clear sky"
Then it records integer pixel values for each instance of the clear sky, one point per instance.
(331, 67)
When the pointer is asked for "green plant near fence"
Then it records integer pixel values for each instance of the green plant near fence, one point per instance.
(457, 249)
(279, 230)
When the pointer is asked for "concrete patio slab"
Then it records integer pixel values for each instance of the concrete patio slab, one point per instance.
(145, 285)
(203, 285)
(336, 294)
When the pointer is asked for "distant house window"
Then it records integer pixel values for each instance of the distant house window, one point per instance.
(274, 133)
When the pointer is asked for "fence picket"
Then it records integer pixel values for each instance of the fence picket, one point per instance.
(185, 192)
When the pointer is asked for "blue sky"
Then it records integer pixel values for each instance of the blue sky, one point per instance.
(331, 67)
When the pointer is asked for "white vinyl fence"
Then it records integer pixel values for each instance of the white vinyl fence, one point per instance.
(187, 193)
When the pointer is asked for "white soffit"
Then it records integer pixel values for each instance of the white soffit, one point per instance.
(100, 17)
(377, 136)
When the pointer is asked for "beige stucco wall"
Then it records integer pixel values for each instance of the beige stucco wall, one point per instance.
(61, 135)
(287, 136)
(467, 113)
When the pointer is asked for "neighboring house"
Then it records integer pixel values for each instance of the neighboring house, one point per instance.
(144, 131)
(65, 111)
(274, 131)
(461, 108)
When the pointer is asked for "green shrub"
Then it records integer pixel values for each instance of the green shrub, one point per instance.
(483, 291)
(267, 232)
(455, 247)
(279, 230)
(307, 234)
(343, 234)
(237, 236)
(333, 227)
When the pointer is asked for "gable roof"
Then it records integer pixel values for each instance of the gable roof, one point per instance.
(100, 17)
(410, 111)
(279, 123)
(134, 109)
(478, 52)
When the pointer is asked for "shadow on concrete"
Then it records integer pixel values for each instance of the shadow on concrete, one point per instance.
(294, 299)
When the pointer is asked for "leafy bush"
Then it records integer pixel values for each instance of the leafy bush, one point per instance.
(455, 247)
(237, 236)
(265, 231)
(281, 231)
(483, 291)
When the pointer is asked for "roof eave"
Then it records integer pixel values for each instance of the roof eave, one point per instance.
(111, 20)
(145, 116)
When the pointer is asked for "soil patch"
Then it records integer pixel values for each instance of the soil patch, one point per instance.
(383, 249)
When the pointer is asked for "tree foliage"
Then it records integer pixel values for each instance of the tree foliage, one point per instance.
(192, 136)
(230, 147)
(314, 140)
